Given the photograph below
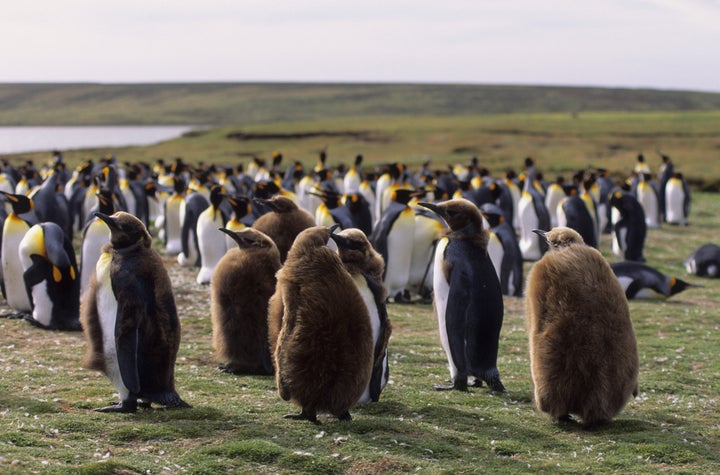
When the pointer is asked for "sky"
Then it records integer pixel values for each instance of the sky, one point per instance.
(658, 44)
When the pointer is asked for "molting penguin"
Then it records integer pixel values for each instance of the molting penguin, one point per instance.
(51, 277)
(283, 223)
(212, 244)
(629, 228)
(642, 281)
(467, 297)
(509, 266)
(583, 351)
(130, 320)
(324, 351)
(392, 238)
(16, 224)
(366, 268)
(243, 282)
(677, 200)
(704, 261)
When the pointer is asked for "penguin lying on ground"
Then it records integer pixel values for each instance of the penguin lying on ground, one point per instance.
(366, 269)
(51, 277)
(467, 297)
(324, 350)
(638, 280)
(243, 282)
(583, 352)
(704, 261)
(130, 320)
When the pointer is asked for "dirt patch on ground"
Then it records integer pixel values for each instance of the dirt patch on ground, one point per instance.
(364, 136)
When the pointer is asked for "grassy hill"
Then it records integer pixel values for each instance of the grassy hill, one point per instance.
(246, 103)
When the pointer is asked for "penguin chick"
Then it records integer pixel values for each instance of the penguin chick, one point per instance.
(583, 351)
(642, 281)
(130, 320)
(283, 223)
(243, 282)
(324, 350)
(365, 266)
(467, 296)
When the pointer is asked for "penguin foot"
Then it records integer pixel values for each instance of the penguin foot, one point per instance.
(16, 315)
(566, 418)
(345, 416)
(458, 385)
(477, 383)
(228, 368)
(122, 406)
(401, 297)
(312, 417)
(496, 385)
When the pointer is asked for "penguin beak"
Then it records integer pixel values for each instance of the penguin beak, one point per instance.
(345, 243)
(540, 233)
(333, 228)
(242, 241)
(434, 208)
(107, 219)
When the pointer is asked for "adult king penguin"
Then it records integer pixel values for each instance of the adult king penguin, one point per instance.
(467, 297)
(324, 350)
(366, 269)
(532, 214)
(640, 281)
(243, 282)
(51, 277)
(509, 265)
(583, 352)
(677, 200)
(704, 261)
(95, 235)
(130, 320)
(211, 243)
(629, 227)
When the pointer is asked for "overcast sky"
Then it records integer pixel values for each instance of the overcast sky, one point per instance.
(661, 44)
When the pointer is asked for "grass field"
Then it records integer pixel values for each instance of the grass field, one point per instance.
(47, 423)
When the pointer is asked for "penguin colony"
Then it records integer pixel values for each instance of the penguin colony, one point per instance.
(264, 238)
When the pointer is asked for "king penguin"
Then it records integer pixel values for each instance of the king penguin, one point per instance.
(95, 235)
(509, 266)
(647, 196)
(677, 200)
(365, 266)
(283, 223)
(629, 227)
(18, 222)
(532, 214)
(211, 243)
(243, 282)
(704, 261)
(190, 210)
(467, 297)
(640, 281)
(130, 320)
(51, 277)
(583, 352)
(324, 351)
(392, 238)
(171, 217)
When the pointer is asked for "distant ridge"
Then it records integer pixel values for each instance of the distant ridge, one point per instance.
(245, 103)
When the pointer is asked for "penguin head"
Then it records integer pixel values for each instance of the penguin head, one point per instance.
(560, 237)
(217, 194)
(249, 238)
(458, 213)
(126, 230)
(493, 214)
(278, 203)
(357, 254)
(106, 203)
(677, 285)
(20, 203)
(240, 205)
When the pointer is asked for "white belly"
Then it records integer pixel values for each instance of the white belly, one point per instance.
(211, 242)
(369, 300)
(399, 251)
(441, 289)
(17, 297)
(529, 244)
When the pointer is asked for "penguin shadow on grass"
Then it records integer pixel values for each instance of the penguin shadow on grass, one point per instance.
(615, 427)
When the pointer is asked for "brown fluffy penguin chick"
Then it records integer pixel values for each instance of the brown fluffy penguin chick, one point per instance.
(283, 223)
(366, 266)
(130, 320)
(324, 351)
(583, 351)
(241, 286)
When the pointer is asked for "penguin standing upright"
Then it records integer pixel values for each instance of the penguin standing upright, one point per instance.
(392, 237)
(468, 298)
(171, 223)
(629, 227)
(583, 352)
(243, 282)
(428, 228)
(555, 194)
(130, 320)
(51, 277)
(283, 223)
(212, 244)
(18, 222)
(324, 350)
(677, 200)
(95, 235)
(366, 268)
(190, 210)
(647, 196)
(640, 281)
(573, 213)
(509, 266)
(532, 214)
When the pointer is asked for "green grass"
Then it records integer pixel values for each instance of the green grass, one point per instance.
(47, 422)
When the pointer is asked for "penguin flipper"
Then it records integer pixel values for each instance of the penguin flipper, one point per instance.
(455, 323)
(127, 354)
(35, 274)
